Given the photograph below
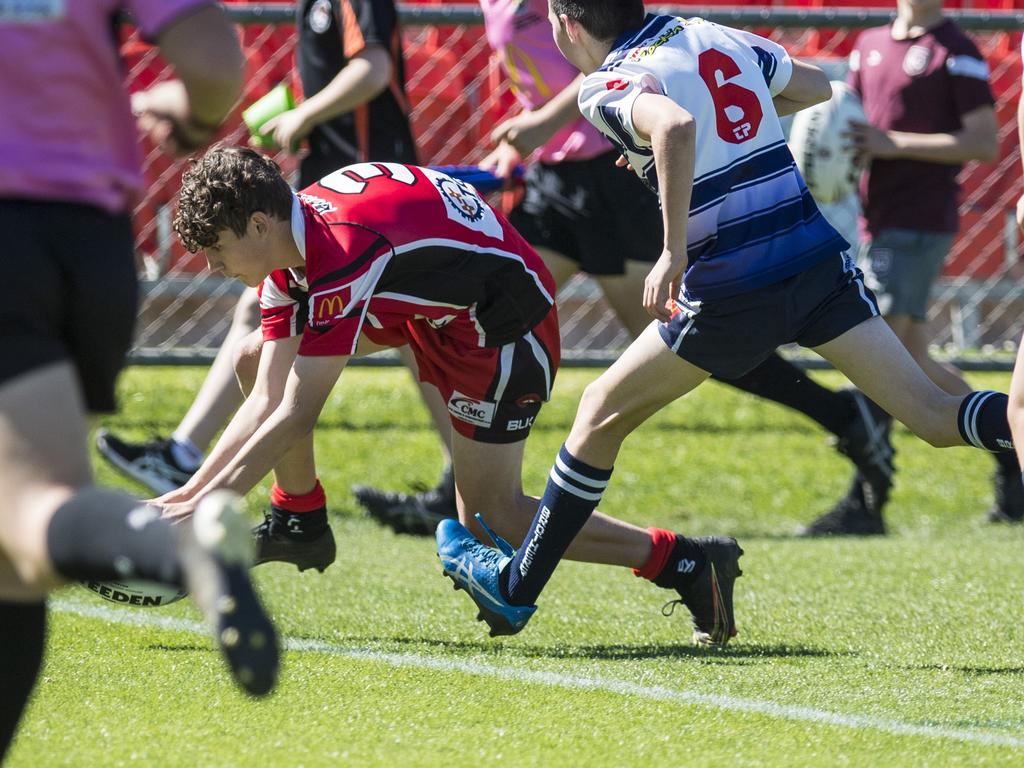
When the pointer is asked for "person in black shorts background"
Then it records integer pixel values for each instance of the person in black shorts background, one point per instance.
(66, 325)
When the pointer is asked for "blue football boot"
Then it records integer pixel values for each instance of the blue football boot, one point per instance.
(475, 567)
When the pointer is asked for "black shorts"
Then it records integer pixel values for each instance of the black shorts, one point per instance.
(591, 212)
(72, 293)
(730, 337)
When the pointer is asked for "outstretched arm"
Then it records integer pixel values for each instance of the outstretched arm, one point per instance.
(183, 114)
(307, 389)
(976, 140)
(532, 128)
(807, 86)
(672, 133)
(362, 79)
(309, 385)
(276, 359)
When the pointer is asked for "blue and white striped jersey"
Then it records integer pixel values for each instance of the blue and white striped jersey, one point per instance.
(752, 220)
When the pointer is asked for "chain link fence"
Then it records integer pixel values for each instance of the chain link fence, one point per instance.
(459, 93)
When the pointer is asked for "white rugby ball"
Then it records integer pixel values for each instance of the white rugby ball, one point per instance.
(146, 594)
(817, 143)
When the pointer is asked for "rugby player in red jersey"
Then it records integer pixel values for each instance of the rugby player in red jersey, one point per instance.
(382, 255)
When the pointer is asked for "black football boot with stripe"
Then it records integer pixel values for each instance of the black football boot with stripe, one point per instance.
(867, 444)
(282, 538)
(416, 514)
(707, 594)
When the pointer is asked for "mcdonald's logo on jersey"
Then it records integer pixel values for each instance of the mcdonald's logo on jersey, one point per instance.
(328, 307)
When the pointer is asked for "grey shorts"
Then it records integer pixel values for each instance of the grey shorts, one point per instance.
(901, 265)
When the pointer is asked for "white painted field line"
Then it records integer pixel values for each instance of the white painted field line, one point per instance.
(146, 618)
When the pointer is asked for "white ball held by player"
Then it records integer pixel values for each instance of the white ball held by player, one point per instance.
(820, 149)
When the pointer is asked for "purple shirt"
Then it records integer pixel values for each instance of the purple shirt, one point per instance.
(519, 33)
(67, 133)
(921, 85)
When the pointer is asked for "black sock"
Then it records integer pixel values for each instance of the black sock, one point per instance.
(100, 534)
(446, 483)
(1007, 461)
(982, 421)
(303, 526)
(683, 565)
(781, 381)
(22, 639)
(573, 491)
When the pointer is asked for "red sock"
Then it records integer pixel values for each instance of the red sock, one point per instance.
(662, 542)
(306, 502)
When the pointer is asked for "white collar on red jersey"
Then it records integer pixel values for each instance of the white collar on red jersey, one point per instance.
(299, 226)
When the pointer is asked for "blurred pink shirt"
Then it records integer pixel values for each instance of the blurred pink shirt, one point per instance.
(67, 133)
(519, 32)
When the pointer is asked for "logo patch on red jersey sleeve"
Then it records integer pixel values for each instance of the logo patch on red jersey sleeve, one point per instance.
(318, 204)
(464, 205)
(326, 307)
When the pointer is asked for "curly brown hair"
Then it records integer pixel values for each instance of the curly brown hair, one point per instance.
(223, 189)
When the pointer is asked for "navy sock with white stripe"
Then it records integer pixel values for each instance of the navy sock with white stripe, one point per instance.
(573, 491)
(982, 421)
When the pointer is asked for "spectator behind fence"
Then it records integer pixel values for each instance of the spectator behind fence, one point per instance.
(925, 90)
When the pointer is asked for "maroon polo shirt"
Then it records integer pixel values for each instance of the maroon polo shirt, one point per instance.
(924, 84)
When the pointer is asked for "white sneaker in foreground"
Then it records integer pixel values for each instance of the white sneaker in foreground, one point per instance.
(216, 550)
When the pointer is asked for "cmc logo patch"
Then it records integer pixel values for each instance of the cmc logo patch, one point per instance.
(471, 410)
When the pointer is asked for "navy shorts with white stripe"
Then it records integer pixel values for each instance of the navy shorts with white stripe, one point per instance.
(731, 336)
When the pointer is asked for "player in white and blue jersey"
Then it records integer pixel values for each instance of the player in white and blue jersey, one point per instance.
(748, 264)
(752, 221)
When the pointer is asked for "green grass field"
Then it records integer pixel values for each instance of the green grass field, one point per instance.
(904, 650)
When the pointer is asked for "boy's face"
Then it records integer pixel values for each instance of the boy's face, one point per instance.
(239, 257)
(562, 41)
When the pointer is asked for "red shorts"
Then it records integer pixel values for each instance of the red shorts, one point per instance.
(493, 393)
